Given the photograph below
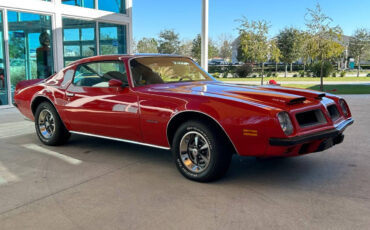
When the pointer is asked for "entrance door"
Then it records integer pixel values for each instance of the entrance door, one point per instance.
(30, 49)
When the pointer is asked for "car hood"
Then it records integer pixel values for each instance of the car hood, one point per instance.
(266, 95)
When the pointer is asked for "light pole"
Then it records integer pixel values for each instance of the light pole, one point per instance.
(204, 46)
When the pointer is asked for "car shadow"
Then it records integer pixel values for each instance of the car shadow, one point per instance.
(309, 170)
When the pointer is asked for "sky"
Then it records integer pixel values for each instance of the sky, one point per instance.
(150, 17)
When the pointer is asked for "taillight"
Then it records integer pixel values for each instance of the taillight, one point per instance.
(344, 107)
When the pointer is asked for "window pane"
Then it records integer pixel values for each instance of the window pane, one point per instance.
(88, 34)
(97, 74)
(30, 50)
(153, 70)
(82, 3)
(78, 39)
(117, 6)
(112, 39)
(72, 51)
(71, 35)
(3, 78)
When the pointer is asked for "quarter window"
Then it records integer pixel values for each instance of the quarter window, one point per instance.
(98, 74)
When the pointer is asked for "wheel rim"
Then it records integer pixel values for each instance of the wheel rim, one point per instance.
(46, 124)
(194, 152)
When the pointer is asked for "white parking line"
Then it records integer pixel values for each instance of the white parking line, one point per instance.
(6, 176)
(65, 158)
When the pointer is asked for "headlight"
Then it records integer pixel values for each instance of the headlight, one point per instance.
(285, 123)
(343, 106)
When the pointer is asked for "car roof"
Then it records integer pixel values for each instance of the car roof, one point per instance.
(119, 57)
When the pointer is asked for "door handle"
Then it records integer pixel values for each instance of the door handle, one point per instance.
(68, 94)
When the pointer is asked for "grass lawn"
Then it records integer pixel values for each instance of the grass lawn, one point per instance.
(282, 79)
(336, 89)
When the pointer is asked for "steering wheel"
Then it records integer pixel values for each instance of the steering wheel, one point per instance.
(182, 78)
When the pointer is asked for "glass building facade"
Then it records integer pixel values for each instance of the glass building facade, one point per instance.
(40, 37)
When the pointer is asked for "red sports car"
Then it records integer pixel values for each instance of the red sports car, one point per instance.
(169, 102)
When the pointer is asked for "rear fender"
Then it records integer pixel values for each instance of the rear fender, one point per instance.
(26, 83)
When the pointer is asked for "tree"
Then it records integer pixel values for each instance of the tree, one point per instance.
(289, 42)
(358, 45)
(225, 48)
(253, 46)
(147, 45)
(196, 48)
(212, 49)
(324, 38)
(169, 42)
(274, 52)
(307, 49)
(185, 48)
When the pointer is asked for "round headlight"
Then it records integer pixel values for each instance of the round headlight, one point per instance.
(285, 123)
(343, 106)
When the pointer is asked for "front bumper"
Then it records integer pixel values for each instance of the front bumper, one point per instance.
(332, 134)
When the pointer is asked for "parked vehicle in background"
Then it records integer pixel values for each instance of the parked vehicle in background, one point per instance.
(218, 62)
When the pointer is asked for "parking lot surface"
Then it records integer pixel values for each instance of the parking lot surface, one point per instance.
(92, 183)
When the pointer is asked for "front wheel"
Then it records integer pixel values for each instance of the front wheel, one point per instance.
(49, 127)
(200, 152)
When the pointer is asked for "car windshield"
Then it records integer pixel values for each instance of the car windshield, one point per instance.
(162, 70)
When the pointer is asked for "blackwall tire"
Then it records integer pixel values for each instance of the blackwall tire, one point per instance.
(200, 152)
(49, 127)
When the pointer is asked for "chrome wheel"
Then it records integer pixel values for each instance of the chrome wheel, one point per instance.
(46, 123)
(195, 151)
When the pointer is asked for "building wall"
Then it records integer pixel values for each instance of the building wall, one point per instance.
(40, 37)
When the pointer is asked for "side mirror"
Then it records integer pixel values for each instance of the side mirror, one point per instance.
(115, 83)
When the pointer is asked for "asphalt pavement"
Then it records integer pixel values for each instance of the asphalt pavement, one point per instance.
(100, 184)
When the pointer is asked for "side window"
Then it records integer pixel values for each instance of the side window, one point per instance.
(97, 74)
(68, 75)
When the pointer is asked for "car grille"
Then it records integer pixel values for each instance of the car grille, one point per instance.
(310, 118)
(333, 112)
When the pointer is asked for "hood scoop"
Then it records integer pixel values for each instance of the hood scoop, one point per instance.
(268, 96)
(296, 101)
(320, 96)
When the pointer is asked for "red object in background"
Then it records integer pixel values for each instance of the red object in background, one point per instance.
(2, 81)
(248, 115)
(272, 82)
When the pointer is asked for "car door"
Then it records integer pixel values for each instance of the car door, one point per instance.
(95, 108)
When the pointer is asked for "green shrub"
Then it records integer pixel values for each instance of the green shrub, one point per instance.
(301, 73)
(334, 74)
(308, 74)
(327, 69)
(254, 75)
(295, 75)
(343, 73)
(244, 70)
(274, 74)
(216, 75)
(368, 75)
(269, 74)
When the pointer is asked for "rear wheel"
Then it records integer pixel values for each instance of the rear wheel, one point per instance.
(49, 127)
(200, 152)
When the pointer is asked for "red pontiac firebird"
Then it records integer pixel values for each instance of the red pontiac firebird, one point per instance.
(169, 102)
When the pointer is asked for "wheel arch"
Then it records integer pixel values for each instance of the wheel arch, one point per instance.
(37, 101)
(40, 99)
(184, 116)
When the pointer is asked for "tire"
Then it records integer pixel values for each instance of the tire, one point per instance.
(192, 163)
(49, 127)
